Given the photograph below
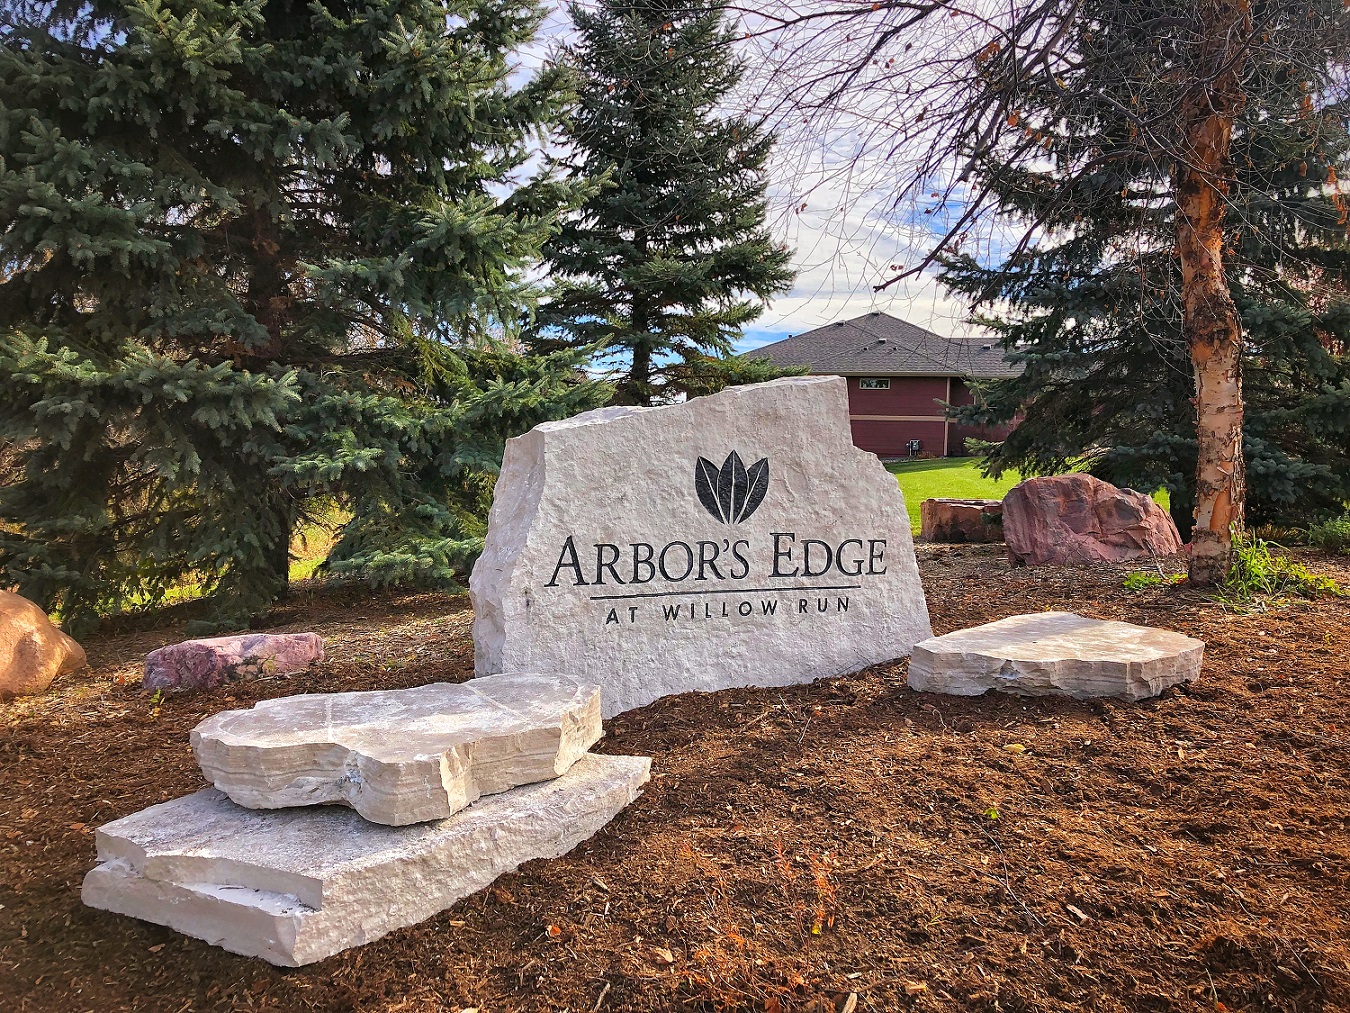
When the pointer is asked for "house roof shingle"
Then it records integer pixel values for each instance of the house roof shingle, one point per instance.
(885, 345)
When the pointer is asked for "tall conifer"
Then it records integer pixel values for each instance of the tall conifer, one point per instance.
(1093, 306)
(663, 267)
(252, 252)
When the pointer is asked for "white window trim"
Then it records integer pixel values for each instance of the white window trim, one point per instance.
(874, 383)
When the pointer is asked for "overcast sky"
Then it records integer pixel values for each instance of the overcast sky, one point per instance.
(845, 245)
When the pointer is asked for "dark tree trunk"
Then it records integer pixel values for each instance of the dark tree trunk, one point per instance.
(1181, 505)
(269, 295)
(279, 553)
(640, 377)
(639, 385)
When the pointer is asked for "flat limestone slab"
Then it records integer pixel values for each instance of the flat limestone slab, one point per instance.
(400, 756)
(296, 885)
(1056, 653)
(738, 539)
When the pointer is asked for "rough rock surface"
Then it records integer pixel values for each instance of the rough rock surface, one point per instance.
(296, 885)
(206, 664)
(33, 651)
(738, 539)
(961, 520)
(1081, 519)
(400, 756)
(1056, 653)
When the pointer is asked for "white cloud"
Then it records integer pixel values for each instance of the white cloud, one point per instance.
(832, 198)
(844, 247)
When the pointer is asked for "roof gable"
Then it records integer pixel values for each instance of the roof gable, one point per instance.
(883, 344)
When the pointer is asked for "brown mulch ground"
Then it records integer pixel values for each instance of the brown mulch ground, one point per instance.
(796, 848)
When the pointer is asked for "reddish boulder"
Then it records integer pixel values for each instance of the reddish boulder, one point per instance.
(33, 651)
(961, 520)
(1081, 519)
(205, 664)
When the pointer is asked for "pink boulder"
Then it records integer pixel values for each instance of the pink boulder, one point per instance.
(961, 520)
(1081, 519)
(205, 664)
(33, 651)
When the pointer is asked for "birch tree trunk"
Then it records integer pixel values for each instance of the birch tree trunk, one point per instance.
(1202, 179)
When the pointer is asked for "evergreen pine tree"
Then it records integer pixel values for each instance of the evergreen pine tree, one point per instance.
(1092, 307)
(252, 253)
(662, 268)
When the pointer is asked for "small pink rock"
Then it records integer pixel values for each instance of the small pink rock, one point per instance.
(1081, 519)
(961, 520)
(205, 664)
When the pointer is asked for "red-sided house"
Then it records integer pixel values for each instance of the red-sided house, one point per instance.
(899, 377)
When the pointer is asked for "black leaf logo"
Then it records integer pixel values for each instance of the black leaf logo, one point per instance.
(732, 492)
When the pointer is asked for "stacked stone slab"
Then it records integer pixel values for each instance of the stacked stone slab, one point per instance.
(400, 756)
(431, 794)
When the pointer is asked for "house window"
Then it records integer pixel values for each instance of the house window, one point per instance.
(874, 383)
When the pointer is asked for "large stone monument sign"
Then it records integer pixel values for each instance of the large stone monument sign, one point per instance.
(738, 539)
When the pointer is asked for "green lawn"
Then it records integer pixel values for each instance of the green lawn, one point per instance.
(955, 478)
(946, 477)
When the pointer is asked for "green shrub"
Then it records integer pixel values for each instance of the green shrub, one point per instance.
(1279, 534)
(1332, 535)
(1142, 580)
(1257, 572)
